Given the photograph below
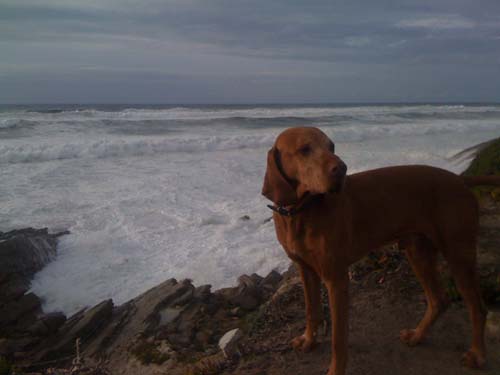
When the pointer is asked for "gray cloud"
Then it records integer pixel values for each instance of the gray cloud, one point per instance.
(234, 50)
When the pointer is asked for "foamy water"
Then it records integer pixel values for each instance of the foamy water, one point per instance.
(151, 193)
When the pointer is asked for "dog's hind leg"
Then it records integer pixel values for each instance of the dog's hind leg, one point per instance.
(465, 275)
(422, 256)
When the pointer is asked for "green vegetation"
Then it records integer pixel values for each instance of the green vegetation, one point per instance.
(489, 285)
(147, 353)
(5, 367)
(486, 162)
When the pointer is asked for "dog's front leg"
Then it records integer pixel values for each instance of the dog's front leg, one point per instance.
(338, 295)
(314, 312)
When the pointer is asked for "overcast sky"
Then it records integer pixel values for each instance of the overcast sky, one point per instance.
(254, 51)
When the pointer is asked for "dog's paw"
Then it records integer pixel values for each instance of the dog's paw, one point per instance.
(303, 344)
(473, 360)
(410, 337)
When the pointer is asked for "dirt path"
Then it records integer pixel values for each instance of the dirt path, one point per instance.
(379, 309)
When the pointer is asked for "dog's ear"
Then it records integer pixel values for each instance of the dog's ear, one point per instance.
(276, 187)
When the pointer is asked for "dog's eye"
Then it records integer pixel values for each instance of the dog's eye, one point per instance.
(331, 147)
(305, 150)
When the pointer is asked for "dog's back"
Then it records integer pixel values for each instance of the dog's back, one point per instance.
(394, 202)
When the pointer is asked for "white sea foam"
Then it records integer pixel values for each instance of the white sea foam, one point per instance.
(210, 113)
(150, 194)
(110, 147)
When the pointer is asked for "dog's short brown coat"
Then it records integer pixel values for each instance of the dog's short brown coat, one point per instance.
(340, 218)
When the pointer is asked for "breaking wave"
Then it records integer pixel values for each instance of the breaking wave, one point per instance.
(121, 148)
(210, 113)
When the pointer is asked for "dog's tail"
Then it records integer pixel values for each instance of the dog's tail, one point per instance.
(481, 180)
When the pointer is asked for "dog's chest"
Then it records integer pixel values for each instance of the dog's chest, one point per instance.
(300, 241)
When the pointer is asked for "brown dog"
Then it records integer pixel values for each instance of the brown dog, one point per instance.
(326, 221)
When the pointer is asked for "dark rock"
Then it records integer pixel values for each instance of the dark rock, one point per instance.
(179, 339)
(22, 253)
(169, 315)
(47, 324)
(26, 251)
(184, 298)
(187, 323)
(16, 345)
(255, 278)
(247, 295)
(202, 293)
(237, 311)
(53, 321)
(83, 325)
(168, 294)
(14, 311)
(204, 337)
(272, 280)
(121, 326)
(243, 296)
(4, 343)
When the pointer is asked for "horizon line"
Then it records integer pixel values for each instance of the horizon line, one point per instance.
(471, 102)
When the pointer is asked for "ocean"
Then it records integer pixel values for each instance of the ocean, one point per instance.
(155, 192)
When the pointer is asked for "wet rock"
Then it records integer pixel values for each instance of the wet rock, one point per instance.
(14, 311)
(26, 251)
(23, 252)
(229, 342)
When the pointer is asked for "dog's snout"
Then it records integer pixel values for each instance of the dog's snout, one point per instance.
(339, 169)
(334, 170)
(343, 167)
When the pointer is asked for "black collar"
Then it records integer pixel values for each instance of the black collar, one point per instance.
(282, 210)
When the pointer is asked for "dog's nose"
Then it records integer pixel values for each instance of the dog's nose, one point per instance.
(343, 168)
(338, 169)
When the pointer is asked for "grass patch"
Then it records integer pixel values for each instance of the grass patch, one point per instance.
(5, 367)
(251, 321)
(148, 353)
(486, 162)
(489, 286)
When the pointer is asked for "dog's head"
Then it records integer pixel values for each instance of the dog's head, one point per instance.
(302, 161)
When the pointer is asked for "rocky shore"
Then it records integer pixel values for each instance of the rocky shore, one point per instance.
(169, 327)
(179, 328)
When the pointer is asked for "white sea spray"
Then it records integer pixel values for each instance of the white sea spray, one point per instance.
(153, 193)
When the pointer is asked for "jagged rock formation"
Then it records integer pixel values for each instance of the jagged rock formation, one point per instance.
(164, 326)
(22, 253)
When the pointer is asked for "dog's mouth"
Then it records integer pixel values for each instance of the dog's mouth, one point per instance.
(338, 184)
